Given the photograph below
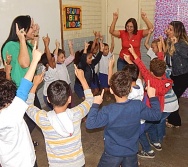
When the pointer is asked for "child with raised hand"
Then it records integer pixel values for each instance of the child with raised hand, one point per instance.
(49, 67)
(87, 64)
(103, 68)
(62, 62)
(162, 85)
(61, 126)
(121, 121)
(153, 50)
(16, 147)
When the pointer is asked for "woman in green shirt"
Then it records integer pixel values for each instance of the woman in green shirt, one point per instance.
(19, 45)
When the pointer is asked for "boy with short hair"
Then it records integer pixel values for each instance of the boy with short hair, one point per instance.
(162, 86)
(16, 147)
(61, 126)
(122, 121)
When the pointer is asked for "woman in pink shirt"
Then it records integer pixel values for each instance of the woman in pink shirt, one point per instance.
(131, 35)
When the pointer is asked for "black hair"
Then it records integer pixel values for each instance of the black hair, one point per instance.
(44, 59)
(132, 70)
(7, 92)
(58, 93)
(23, 22)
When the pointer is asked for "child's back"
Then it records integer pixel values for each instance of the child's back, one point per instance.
(61, 126)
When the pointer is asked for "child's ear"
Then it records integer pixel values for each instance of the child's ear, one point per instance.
(111, 91)
(69, 99)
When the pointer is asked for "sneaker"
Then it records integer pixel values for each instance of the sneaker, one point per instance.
(157, 146)
(143, 154)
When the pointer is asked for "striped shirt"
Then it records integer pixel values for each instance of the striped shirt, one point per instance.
(61, 151)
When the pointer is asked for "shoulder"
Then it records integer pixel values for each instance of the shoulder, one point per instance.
(11, 47)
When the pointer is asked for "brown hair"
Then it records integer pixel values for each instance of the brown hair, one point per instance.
(120, 83)
(158, 67)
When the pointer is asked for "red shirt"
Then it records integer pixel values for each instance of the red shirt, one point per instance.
(162, 86)
(135, 41)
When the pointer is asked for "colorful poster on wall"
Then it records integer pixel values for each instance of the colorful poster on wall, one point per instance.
(72, 17)
(167, 11)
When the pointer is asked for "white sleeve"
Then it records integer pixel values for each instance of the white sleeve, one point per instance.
(151, 54)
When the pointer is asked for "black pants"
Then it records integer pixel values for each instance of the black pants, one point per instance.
(180, 85)
(30, 123)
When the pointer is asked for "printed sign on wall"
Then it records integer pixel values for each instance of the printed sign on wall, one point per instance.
(72, 17)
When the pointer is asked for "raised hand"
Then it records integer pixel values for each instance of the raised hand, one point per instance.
(131, 50)
(127, 59)
(150, 90)
(143, 15)
(79, 73)
(46, 40)
(38, 79)
(36, 53)
(57, 43)
(116, 14)
(101, 46)
(20, 33)
(99, 99)
(70, 43)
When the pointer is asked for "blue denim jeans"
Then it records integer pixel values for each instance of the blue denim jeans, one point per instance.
(121, 64)
(112, 161)
(156, 132)
(160, 129)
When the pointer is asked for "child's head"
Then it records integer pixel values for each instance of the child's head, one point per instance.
(157, 67)
(78, 55)
(7, 92)
(96, 48)
(61, 56)
(2, 74)
(154, 45)
(106, 49)
(89, 58)
(120, 84)
(132, 70)
(44, 59)
(58, 93)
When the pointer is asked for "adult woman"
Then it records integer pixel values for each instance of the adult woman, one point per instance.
(177, 58)
(19, 45)
(131, 35)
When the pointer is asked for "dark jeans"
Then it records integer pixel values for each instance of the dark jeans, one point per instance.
(30, 123)
(121, 63)
(112, 161)
(180, 85)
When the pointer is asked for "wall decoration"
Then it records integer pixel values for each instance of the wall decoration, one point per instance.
(72, 17)
(167, 11)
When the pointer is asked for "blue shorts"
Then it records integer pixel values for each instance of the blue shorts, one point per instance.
(78, 89)
(96, 83)
(103, 79)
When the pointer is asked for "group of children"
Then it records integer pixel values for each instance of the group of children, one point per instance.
(127, 121)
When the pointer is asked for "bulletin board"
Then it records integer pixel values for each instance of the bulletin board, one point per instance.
(72, 17)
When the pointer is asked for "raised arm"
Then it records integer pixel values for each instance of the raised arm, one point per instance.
(146, 43)
(51, 61)
(112, 44)
(23, 57)
(96, 40)
(57, 45)
(147, 22)
(36, 34)
(110, 68)
(112, 30)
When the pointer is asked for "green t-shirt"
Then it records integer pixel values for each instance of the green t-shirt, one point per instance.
(17, 72)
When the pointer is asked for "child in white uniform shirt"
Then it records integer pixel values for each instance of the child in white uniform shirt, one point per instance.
(16, 147)
(103, 68)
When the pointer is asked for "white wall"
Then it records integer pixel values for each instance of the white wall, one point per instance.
(44, 12)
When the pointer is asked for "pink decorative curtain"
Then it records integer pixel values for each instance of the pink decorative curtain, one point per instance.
(167, 11)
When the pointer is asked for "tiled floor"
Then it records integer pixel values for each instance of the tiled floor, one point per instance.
(174, 153)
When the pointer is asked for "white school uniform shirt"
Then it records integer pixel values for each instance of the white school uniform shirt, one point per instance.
(137, 93)
(151, 54)
(49, 77)
(16, 146)
(62, 70)
(103, 64)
